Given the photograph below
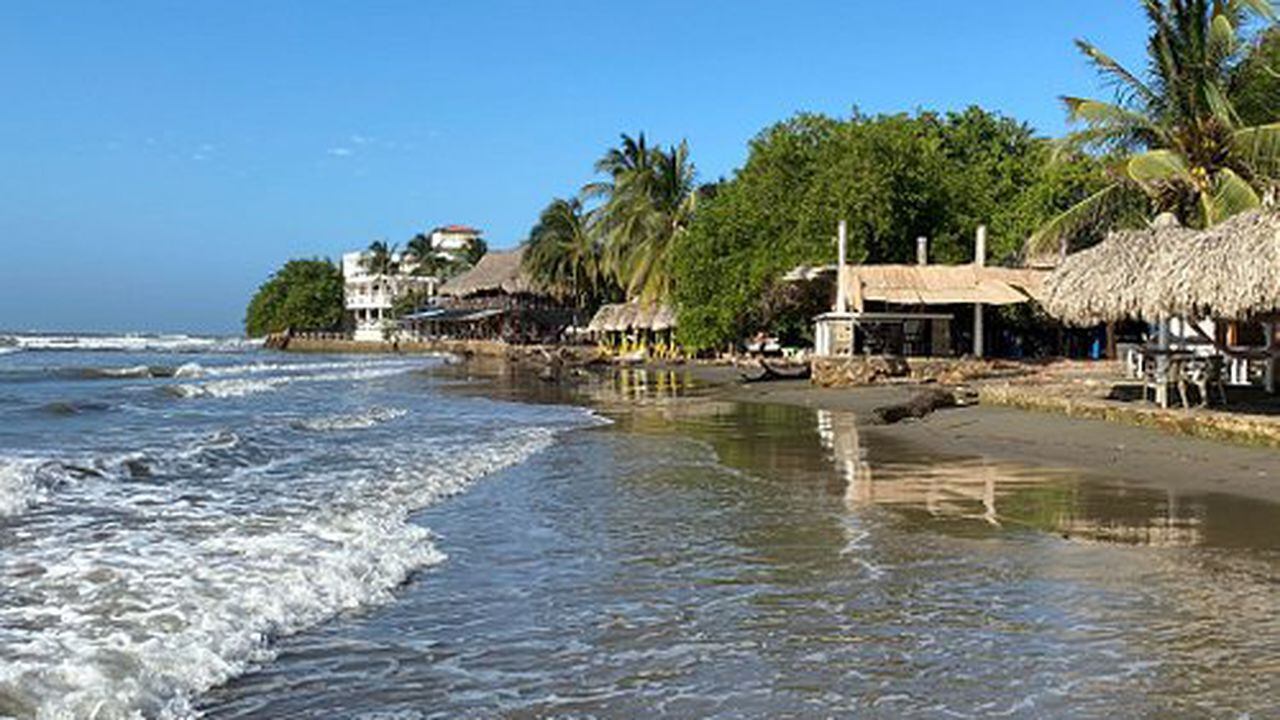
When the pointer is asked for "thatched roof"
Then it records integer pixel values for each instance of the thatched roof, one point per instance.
(943, 284)
(932, 284)
(621, 317)
(1231, 270)
(496, 272)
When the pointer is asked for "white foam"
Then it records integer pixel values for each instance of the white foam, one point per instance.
(241, 387)
(18, 488)
(133, 343)
(354, 421)
(191, 595)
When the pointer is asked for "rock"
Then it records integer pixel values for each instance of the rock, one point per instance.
(920, 405)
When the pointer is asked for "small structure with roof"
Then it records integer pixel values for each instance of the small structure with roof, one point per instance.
(495, 300)
(909, 309)
(632, 327)
(1214, 285)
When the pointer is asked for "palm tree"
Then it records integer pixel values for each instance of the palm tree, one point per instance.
(564, 257)
(650, 199)
(427, 260)
(381, 259)
(1175, 135)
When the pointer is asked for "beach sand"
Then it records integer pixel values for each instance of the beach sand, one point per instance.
(1095, 447)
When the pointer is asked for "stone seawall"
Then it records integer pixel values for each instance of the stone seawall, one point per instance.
(837, 372)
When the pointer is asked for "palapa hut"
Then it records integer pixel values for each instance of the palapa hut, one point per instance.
(632, 327)
(1229, 272)
(495, 300)
(910, 309)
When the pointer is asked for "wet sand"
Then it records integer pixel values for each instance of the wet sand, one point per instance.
(1106, 450)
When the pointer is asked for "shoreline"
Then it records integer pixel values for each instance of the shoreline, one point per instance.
(1094, 446)
(1090, 449)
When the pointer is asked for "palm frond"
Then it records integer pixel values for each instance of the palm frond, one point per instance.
(1057, 234)
(1231, 195)
(1258, 148)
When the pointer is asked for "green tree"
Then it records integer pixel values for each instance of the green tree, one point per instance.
(302, 295)
(1181, 141)
(381, 259)
(563, 255)
(649, 198)
(892, 178)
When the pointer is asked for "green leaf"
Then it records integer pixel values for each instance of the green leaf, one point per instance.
(1158, 166)
(1056, 233)
(1231, 196)
(1259, 149)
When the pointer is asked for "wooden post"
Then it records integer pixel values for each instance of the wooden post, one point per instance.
(842, 300)
(1270, 329)
(1162, 364)
(979, 260)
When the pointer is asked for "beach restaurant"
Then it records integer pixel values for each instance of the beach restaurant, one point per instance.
(495, 300)
(1212, 295)
(910, 310)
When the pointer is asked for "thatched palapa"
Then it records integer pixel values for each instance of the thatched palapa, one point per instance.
(1231, 270)
(623, 317)
(942, 284)
(496, 272)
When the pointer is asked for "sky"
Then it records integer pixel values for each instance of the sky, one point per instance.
(158, 160)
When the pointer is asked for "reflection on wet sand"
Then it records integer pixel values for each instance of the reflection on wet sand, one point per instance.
(1002, 494)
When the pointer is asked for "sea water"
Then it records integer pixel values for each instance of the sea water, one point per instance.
(170, 506)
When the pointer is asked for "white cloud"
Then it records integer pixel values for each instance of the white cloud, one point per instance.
(360, 139)
(339, 151)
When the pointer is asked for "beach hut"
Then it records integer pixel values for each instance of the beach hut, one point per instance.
(495, 300)
(909, 309)
(1166, 274)
(635, 327)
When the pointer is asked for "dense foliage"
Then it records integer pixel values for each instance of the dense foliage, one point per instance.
(623, 244)
(302, 295)
(892, 178)
(1197, 133)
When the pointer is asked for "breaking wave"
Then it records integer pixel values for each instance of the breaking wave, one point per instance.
(195, 590)
(355, 421)
(129, 343)
(241, 386)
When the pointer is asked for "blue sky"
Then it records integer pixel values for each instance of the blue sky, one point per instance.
(159, 159)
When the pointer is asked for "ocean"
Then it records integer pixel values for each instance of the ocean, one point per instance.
(202, 528)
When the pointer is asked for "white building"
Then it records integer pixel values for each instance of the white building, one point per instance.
(369, 297)
(453, 240)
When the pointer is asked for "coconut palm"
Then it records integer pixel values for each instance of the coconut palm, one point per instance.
(1175, 135)
(381, 259)
(563, 256)
(650, 199)
(427, 260)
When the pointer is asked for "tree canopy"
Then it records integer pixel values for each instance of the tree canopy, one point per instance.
(302, 295)
(893, 178)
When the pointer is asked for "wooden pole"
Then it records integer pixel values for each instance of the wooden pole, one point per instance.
(1270, 374)
(980, 260)
(1162, 364)
(842, 299)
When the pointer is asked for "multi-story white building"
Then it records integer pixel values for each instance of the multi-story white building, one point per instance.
(369, 297)
(453, 240)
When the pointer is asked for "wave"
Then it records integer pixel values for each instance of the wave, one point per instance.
(129, 343)
(241, 387)
(355, 421)
(195, 598)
